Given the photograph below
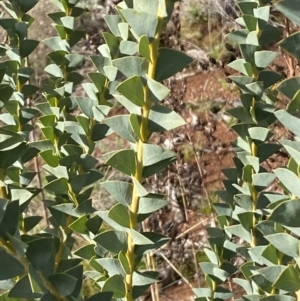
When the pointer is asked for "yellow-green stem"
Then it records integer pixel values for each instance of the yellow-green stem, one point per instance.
(19, 89)
(144, 136)
(3, 191)
(72, 195)
(64, 232)
(213, 290)
(254, 197)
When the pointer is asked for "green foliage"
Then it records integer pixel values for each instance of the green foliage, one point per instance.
(39, 258)
(259, 225)
(41, 262)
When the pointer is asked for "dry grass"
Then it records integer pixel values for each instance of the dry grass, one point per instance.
(206, 23)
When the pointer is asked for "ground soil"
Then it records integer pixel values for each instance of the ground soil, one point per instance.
(206, 98)
(209, 137)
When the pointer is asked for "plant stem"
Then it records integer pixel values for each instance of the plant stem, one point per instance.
(254, 198)
(290, 60)
(144, 136)
(63, 239)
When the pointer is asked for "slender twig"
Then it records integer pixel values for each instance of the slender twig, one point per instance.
(196, 264)
(230, 287)
(183, 233)
(155, 286)
(176, 270)
(191, 228)
(199, 167)
(151, 266)
(290, 60)
(186, 217)
(37, 169)
(36, 163)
